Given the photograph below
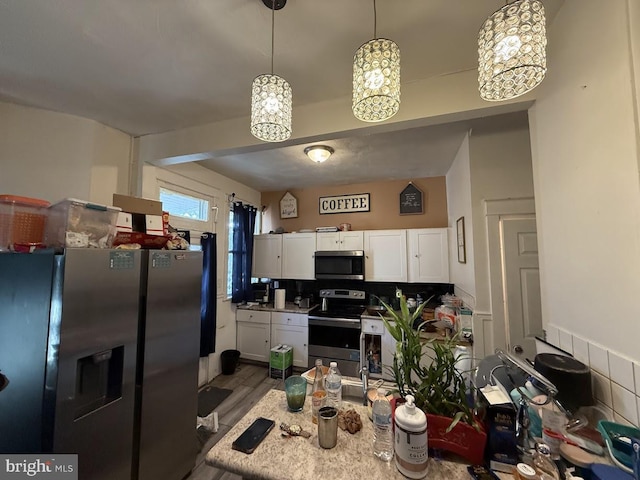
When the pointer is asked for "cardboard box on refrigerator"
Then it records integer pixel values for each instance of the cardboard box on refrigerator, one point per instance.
(137, 205)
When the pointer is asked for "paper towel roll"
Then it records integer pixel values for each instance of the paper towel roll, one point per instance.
(279, 297)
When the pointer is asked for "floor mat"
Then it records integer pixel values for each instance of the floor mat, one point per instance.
(210, 398)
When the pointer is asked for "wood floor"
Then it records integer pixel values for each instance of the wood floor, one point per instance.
(249, 384)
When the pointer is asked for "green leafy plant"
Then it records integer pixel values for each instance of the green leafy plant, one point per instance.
(437, 385)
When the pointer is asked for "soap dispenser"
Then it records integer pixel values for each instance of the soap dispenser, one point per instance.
(410, 440)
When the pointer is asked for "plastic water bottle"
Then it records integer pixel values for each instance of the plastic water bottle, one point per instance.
(333, 385)
(382, 433)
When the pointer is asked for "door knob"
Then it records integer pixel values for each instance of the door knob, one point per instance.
(518, 349)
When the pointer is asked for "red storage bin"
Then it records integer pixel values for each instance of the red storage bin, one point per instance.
(22, 220)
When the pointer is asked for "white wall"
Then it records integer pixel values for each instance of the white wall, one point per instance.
(54, 156)
(459, 205)
(500, 164)
(205, 182)
(586, 143)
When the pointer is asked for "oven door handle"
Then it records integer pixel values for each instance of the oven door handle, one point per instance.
(329, 322)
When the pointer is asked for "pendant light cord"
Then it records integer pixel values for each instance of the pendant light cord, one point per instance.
(375, 19)
(273, 21)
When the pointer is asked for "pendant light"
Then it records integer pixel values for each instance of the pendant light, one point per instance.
(376, 78)
(319, 153)
(512, 56)
(271, 99)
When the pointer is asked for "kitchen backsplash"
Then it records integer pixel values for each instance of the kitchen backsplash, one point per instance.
(379, 289)
(615, 378)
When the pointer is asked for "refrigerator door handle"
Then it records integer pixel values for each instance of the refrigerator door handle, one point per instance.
(102, 356)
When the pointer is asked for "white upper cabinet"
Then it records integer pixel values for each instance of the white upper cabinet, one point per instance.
(267, 256)
(428, 255)
(298, 250)
(385, 255)
(351, 240)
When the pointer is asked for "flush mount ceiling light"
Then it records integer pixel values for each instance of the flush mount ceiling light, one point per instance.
(512, 56)
(376, 78)
(318, 153)
(271, 97)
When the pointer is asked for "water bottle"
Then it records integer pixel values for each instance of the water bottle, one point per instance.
(333, 386)
(382, 433)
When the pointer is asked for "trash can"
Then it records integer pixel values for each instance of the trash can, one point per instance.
(229, 361)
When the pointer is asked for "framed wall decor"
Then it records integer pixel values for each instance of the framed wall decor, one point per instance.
(288, 206)
(411, 200)
(462, 253)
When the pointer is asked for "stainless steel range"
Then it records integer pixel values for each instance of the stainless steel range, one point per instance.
(334, 330)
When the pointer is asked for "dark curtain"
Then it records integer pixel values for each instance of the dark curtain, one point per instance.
(208, 299)
(244, 221)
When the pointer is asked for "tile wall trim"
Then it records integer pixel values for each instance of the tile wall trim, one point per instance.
(615, 378)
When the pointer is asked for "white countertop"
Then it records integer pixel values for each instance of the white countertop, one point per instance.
(297, 458)
(289, 307)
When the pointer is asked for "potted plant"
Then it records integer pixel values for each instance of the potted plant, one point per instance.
(438, 387)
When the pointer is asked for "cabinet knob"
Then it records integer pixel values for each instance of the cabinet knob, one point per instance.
(266, 341)
(417, 255)
(304, 345)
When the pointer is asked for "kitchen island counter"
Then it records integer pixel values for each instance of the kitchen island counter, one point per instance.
(297, 458)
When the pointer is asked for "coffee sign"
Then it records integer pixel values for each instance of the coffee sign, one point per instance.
(357, 202)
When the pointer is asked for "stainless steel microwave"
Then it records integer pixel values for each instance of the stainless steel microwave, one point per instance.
(339, 264)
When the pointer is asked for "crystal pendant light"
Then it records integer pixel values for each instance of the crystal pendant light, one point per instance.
(271, 102)
(512, 51)
(376, 78)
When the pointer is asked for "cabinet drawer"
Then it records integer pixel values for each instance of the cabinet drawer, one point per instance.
(372, 326)
(284, 318)
(252, 316)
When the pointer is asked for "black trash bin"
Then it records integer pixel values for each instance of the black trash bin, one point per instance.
(229, 361)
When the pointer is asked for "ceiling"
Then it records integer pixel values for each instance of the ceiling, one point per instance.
(151, 66)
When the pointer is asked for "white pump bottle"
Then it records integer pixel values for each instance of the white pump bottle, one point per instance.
(410, 440)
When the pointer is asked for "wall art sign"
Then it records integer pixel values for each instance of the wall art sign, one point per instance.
(411, 202)
(356, 202)
(288, 206)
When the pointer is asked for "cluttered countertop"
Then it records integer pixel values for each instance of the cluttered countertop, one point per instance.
(298, 458)
(289, 307)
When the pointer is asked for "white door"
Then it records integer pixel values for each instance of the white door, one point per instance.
(351, 241)
(328, 241)
(385, 255)
(293, 335)
(253, 341)
(428, 255)
(267, 252)
(298, 251)
(523, 312)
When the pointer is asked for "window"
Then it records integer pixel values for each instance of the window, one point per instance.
(185, 206)
(256, 231)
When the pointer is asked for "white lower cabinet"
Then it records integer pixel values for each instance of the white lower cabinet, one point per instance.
(291, 329)
(259, 331)
(253, 334)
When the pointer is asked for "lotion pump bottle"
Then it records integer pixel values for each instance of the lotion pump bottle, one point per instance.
(410, 440)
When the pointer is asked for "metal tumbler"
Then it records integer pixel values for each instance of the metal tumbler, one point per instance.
(328, 427)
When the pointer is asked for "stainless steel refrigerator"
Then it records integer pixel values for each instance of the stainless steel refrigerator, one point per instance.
(167, 385)
(100, 348)
(68, 344)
